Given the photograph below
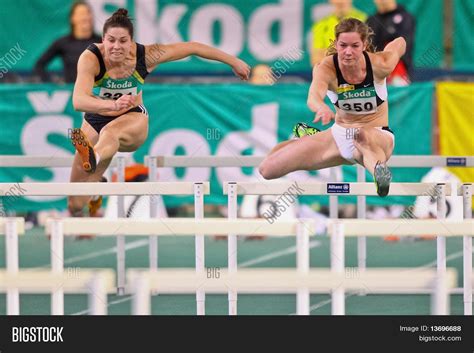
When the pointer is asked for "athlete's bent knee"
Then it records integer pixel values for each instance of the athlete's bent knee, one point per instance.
(75, 206)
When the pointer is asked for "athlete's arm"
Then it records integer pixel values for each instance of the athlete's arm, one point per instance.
(386, 60)
(82, 98)
(318, 89)
(161, 53)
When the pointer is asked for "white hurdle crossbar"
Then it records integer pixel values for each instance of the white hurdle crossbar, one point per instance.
(338, 188)
(105, 189)
(97, 283)
(284, 281)
(11, 228)
(338, 229)
(254, 161)
(207, 161)
(58, 228)
(30, 161)
(119, 189)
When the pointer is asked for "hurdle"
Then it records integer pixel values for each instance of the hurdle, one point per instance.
(233, 189)
(403, 161)
(121, 189)
(97, 283)
(31, 161)
(206, 161)
(398, 161)
(12, 227)
(58, 228)
(254, 161)
(465, 191)
(289, 281)
(338, 229)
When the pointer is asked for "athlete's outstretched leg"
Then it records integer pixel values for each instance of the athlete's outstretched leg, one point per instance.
(308, 153)
(373, 149)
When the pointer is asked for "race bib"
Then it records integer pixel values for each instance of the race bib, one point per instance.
(107, 93)
(357, 101)
(114, 89)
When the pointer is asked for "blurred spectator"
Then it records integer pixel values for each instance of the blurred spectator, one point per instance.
(71, 46)
(392, 21)
(323, 30)
(262, 75)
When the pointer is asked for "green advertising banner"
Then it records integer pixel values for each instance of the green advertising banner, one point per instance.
(276, 32)
(463, 47)
(197, 120)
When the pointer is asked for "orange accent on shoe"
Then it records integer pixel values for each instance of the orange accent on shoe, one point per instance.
(85, 149)
(94, 206)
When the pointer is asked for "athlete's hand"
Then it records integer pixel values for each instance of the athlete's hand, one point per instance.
(325, 114)
(241, 69)
(127, 101)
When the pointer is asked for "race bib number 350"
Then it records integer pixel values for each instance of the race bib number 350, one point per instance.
(358, 101)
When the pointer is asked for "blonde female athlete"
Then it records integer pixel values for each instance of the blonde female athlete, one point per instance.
(109, 90)
(353, 77)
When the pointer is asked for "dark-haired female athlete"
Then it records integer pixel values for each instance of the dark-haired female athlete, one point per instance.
(109, 90)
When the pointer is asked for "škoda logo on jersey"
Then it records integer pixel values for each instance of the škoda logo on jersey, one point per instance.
(360, 93)
(113, 85)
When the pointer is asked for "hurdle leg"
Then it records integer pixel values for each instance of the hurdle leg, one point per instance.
(141, 296)
(11, 246)
(199, 247)
(232, 245)
(97, 296)
(337, 266)
(333, 199)
(57, 266)
(440, 297)
(440, 240)
(467, 249)
(302, 263)
(361, 214)
(120, 238)
(153, 240)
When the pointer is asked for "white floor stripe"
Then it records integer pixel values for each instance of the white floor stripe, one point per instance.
(448, 258)
(129, 246)
(274, 255)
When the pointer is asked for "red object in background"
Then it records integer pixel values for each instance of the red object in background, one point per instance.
(132, 172)
(399, 75)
